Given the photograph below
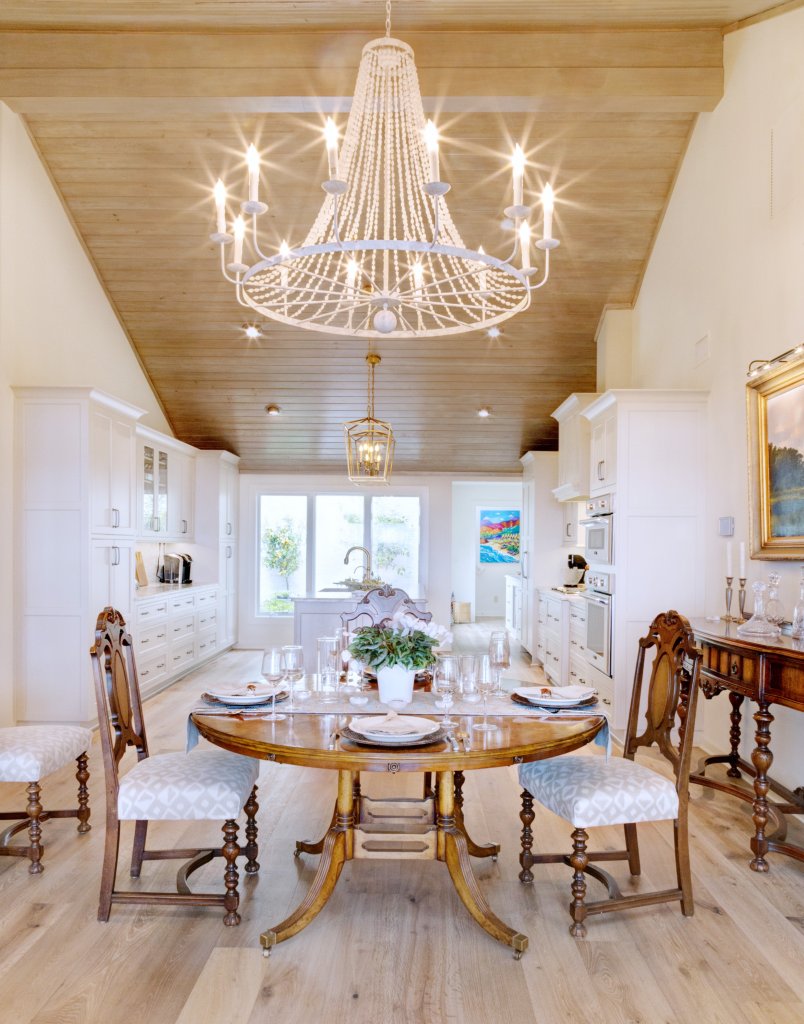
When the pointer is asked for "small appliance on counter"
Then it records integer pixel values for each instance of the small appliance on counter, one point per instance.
(574, 576)
(175, 568)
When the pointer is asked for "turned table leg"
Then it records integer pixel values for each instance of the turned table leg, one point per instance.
(762, 759)
(735, 717)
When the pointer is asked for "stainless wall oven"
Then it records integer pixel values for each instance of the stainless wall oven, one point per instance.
(599, 598)
(598, 529)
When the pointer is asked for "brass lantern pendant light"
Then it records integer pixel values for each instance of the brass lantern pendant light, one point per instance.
(369, 441)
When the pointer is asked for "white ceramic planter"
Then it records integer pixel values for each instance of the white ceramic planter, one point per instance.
(395, 685)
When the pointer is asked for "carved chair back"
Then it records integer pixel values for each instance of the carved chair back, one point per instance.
(378, 606)
(672, 694)
(117, 693)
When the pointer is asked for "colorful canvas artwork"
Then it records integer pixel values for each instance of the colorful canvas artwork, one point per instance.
(499, 535)
(785, 413)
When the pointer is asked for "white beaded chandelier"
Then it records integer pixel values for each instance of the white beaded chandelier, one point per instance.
(383, 255)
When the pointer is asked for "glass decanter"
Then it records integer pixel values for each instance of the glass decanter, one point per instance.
(774, 611)
(758, 624)
(798, 611)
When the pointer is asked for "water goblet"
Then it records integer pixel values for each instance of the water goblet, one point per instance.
(445, 682)
(329, 656)
(500, 658)
(484, 683)
(467, 668)
(272, 672)
(293, 657)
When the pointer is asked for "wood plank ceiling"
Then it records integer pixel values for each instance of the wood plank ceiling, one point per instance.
(134, 126)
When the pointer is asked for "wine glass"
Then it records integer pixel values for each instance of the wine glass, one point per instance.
(484, 683)
(500, 658)
(272, 671)
(293, 660)
(445, 682)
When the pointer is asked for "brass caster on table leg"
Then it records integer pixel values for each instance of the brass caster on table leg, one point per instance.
(267, 941)
(297, 853)
(494, 859)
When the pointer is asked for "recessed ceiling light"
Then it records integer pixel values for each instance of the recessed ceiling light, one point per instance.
(252, 332)
(494, 332)
(484, 412)
(272, 410)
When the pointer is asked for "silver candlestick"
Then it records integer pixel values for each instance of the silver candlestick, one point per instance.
(741, 598)
(729, 591)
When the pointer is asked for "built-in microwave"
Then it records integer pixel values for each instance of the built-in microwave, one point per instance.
(598, 527)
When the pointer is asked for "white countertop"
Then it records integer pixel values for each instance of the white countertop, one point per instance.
(158, 589)
(558, 596)
(340, 595)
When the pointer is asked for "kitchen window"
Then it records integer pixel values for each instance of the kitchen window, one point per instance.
(304, 538)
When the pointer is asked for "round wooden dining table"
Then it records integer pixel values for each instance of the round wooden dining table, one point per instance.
(431, 828)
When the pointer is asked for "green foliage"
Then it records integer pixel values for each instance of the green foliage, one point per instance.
(279, 604)
(281, 546)
(386, 553)
(391, 518)
(383, 646)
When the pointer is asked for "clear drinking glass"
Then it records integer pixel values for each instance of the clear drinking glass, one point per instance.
(329, 659)
(798, 611)
(500, 658)
(467, 669)
(272, 672)
(485, 678)
(445, 683)
(293, 658)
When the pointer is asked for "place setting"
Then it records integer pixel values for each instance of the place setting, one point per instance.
(393, 730)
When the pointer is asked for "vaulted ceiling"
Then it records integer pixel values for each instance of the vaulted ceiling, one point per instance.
(136, 107)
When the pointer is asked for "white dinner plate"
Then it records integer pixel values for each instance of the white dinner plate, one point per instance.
(246, 694)
(415, 728)
(558, 697)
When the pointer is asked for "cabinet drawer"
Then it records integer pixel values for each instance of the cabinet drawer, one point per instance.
(147, 613)
(181, 603)
(181, 654)
(206, 600)
(206, 618)
(577, 646)
(153, 669)
(580, 675)
(181, 627)
(206, 644)
(150, 637)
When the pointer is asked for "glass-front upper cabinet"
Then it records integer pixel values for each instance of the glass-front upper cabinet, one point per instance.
(154, 490)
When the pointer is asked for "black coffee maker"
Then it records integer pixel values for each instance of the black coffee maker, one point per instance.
(175, 568)
(577, 566)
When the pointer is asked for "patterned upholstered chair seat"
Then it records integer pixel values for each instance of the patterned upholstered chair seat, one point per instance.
(589, 791)
(206, 785)
(30, 752)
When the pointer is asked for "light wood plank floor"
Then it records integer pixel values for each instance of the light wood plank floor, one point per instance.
(394, 944)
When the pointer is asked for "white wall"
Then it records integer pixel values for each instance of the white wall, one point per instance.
(482, 585)
(726, 273)
(56, 328)
(262, 631)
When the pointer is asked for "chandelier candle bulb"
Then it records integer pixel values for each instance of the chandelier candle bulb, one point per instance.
(524, 244)
(431, 141)
(239, 231)
(548, 202)
(331, 137)
(518, 173)
(220, 206)
(253, 161)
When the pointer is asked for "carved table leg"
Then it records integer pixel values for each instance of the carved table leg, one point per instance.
(252, 850)
(475, 849)
(762, 759)
(82, 777)
(337, 847)
(34, 811)
(453, 849)
(735, 717)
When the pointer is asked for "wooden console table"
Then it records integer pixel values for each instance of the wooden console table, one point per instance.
(770, 672)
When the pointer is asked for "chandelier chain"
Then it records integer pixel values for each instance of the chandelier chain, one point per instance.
(388, 19)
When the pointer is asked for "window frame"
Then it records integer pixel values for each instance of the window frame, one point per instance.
(311, 494)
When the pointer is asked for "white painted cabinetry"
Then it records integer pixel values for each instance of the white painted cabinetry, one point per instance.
(573, 448)
(513, 607)
(217, 494)
(166, 487)
(648, 449)
(74, 555)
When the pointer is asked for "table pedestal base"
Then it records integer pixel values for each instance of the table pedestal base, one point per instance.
(428, 829)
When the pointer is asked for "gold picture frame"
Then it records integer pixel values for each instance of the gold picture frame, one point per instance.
(775, 407)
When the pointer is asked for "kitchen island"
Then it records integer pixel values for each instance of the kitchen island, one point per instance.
(319, 614)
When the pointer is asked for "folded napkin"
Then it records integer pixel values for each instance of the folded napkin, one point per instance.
(556, 692)
(391, 725)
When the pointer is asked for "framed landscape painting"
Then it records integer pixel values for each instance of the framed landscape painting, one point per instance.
(499, 535)
(776, 462)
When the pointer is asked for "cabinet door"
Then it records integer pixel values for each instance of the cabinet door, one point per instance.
(111, 577)
(227, 599)
(603, 463)
(154, 490)
(187, 507)
(570, 537)
(181, 496)
(228, 500)
(100, 470)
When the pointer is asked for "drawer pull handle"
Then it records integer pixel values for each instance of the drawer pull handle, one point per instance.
(177, 657)
(147, 672)
(145, 640)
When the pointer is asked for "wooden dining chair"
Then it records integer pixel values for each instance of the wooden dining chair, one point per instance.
(204, 785)
(379, 605)
(589, 791)
(29, 753)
